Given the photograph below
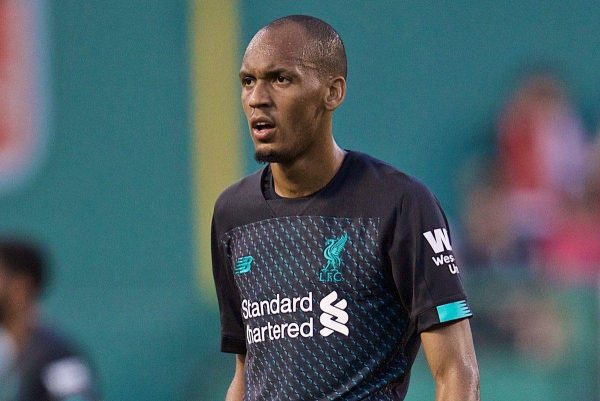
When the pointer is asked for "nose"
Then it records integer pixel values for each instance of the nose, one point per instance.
(260, 95)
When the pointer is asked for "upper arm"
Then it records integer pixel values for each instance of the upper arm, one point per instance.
(451, 356)
(424, 267)
(233, 338)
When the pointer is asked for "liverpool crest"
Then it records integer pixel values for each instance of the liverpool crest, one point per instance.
(333, 249)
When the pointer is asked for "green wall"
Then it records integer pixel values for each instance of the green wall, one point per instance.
(426, 78)
(113, 201)
(114, 198)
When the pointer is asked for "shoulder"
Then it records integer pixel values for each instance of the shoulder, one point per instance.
(240, 204)
(386, 178)
(238, 194)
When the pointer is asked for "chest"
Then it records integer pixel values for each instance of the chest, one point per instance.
(293, 256)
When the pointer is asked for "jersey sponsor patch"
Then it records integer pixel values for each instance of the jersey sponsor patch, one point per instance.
(439, 240)
(333, 317)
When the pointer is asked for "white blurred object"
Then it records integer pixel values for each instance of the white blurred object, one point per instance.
(67, 377)
(8, 352)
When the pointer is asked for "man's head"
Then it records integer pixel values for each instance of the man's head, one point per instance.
(22, 276)
(293, 77)
(322, 45)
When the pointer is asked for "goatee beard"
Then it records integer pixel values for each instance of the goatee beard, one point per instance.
(265, 158)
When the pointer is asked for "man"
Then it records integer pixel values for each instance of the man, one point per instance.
(36, 364)
(330, 266)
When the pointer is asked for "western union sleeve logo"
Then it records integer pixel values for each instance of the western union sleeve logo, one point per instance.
(439, 240)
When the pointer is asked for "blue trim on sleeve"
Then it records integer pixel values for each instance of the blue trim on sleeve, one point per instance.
(453, 311)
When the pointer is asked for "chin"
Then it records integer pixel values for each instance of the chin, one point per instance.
(271, 156)
(266, 157)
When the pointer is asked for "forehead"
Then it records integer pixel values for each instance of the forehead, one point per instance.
(287, 45)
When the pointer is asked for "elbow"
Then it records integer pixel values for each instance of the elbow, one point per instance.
(459, 382)
(468, 378)
(472, 381)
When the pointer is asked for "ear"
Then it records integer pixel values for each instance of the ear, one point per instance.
(336, 92)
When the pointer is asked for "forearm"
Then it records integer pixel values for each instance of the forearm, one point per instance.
(458, 384)
(451, 357)
(236, 390)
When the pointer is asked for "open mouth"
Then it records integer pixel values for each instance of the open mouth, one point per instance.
(262, 126)
(262, 130)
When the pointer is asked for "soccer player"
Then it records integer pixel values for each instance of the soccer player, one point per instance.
(331, 267)
(36, 363)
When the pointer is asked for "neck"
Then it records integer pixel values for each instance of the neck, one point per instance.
(20, 326)
(309, 173)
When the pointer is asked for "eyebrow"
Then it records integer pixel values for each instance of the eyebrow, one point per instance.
(271, 72)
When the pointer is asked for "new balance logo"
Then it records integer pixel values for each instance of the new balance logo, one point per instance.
(333, 318)
(438, 240)
(243, 264)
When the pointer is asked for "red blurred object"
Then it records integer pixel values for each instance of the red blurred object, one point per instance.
(22, 98)
(572, 252)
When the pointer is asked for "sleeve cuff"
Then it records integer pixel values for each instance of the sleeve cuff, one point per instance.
(441, 314)
(233, 345)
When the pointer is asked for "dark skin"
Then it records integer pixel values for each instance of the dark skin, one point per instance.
(284, 89)
(289, 104)
(18, 305)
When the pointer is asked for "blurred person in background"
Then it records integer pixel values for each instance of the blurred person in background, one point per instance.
(488, 242)
(532, 222)
(537, 183)
(571, 253)
(36, 363)
(541, 156)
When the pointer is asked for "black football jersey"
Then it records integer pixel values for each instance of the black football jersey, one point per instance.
(327, 294)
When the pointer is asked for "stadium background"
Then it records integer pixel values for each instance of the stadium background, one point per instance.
(144, 128)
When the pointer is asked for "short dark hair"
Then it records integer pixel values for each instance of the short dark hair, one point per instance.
(327, 49)
(25, 258)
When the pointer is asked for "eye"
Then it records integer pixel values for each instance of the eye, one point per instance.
(247, 81)
(283, 79)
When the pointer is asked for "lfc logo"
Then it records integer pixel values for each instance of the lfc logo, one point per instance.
(333, 249)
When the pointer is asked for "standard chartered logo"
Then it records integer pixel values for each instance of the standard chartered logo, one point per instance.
(331, 311)
(333, 317)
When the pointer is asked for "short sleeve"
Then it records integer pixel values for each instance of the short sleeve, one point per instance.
(232, 326)
(424, 267)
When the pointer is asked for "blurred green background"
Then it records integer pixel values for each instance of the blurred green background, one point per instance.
(113, 199)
